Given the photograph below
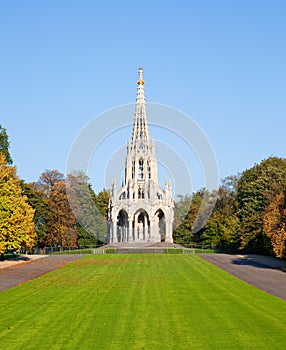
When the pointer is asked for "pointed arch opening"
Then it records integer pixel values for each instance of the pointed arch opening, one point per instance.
(161, 224)
(122, 226)
(149, 169)
(141, 169)
(141, 224)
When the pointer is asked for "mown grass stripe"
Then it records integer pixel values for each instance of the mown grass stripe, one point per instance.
(140, 302)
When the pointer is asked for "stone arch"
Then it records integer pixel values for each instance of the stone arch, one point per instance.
(122, 226)
(160, 224)
(141, 225)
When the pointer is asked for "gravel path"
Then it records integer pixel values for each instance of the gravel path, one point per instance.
(31, 267)
(266, 273)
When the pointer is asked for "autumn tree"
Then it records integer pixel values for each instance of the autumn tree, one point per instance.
(4, 145)
(17, 229)
(61, 227)
(274, 223)
(254, 188)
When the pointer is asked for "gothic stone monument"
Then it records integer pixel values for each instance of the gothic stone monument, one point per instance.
(141, 211)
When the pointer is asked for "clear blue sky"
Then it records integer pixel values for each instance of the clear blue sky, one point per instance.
(221, 62)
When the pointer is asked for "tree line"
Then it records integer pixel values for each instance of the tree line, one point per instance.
(55, 211)
(249, 214)
(248, 210)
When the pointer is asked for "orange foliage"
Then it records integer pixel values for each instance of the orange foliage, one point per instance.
(274, 222)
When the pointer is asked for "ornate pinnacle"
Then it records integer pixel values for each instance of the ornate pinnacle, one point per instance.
(140, 81)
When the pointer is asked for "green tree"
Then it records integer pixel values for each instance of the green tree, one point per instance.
(90, 209)
(102, 200)
(17, 229)
(226, 196)
(221, 231)
(187, 220)
(222, 226)
(4, 145)
(182, 221)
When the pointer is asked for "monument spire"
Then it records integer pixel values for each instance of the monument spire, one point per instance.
(141, 210)
(140, 133)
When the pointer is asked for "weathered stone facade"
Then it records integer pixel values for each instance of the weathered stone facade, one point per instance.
(141, 211)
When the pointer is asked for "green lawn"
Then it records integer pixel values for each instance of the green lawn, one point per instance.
(140, 302)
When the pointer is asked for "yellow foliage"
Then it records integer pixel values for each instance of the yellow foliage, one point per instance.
(17, 229)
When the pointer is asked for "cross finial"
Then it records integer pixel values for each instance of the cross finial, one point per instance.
(140, 81)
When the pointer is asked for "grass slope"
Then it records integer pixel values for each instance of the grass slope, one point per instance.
(140, 302)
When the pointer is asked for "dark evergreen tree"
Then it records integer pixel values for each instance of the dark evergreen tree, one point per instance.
(4, 145)
(43, 210)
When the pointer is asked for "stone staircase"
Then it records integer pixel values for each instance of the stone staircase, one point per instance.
(142, 248)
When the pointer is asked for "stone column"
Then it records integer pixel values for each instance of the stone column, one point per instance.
(168, 238)
(136, 227)
(155, 229)
(146, 235)
(151, 238)
(130, 229)
(114, 232)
